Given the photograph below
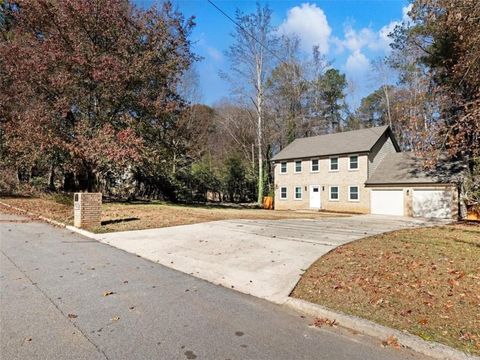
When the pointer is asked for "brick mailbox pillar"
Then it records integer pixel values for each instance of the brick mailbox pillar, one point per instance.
(87, 210)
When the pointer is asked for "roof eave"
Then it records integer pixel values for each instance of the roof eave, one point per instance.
(408, 183)
(320, 156)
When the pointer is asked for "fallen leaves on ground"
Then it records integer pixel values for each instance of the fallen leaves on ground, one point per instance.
(319, 322)
(72, 316)
(108, 293)
(425, 281)
(391, 341)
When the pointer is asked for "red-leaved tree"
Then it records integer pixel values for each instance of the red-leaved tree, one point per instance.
(81, 79)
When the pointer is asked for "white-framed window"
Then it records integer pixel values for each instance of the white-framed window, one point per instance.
(298, 193)
(334, 164)
(283, 167)
(353, 162)
(283, 192)
(334, 193)
(353, 193)
(315, 165)
(298, 166)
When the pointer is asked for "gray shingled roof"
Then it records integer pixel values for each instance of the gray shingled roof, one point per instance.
(347, 142)
(407, 168)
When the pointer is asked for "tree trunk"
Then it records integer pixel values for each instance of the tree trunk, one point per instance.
(462, 196)
(51, 179)
(91, 181)
(174, 166)
(253, 158)
(387, 99)
(259, 127)
(259, 140)
(69, 182)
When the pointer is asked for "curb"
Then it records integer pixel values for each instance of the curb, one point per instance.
(432, 349)
(50, 221)
(83, 232)
(53, 222)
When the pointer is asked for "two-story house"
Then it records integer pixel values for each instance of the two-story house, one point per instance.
(361, 171)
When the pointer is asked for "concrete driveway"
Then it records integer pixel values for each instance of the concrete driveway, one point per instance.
(264, 258)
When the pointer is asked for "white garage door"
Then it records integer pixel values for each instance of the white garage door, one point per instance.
(432, 203)
(387, 202)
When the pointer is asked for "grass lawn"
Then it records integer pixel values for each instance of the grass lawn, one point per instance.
(135, 216)
(425, 281)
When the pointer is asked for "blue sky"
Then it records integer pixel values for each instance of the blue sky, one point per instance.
(350, 33)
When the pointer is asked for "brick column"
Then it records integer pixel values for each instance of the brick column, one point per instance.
(87, 210)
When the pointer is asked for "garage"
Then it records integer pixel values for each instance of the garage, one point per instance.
(401, 178)
(387, 202)
(432, 203)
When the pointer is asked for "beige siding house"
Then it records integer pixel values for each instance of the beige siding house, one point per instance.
(361, 171)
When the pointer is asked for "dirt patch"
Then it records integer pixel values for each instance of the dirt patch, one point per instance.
(425, 281)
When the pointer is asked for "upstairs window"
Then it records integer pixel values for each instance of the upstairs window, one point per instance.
(298, 166)
(283, 168)
(315, 165)
(334, 164)
(353, 162)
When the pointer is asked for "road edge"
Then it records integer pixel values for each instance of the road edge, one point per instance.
(372, 329)
(53, 222)
(43, 218)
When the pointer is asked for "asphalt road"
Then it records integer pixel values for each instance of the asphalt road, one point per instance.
(53, 306)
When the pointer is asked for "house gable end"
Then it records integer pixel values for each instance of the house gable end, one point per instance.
(385, 145)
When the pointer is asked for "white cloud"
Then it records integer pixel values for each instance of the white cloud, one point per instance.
(310, 24)
(357, 63)
(366, 38)
(214, 53)
(207, 50)
(384, 39)
(383, 36)
(405, 11)
(357, 40)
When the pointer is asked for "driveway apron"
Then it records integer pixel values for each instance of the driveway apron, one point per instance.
(264, 258)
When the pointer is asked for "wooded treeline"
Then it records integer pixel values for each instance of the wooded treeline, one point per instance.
(102, 95)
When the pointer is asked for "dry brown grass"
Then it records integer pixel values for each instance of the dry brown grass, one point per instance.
(55, 208)
(128, 216)
(425, 281)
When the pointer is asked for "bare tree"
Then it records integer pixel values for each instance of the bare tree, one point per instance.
(251, 59)
(382, 74)
(189, 87)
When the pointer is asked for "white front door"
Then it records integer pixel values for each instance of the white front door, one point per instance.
(387, 202)
(315, 196)
(432, 203)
